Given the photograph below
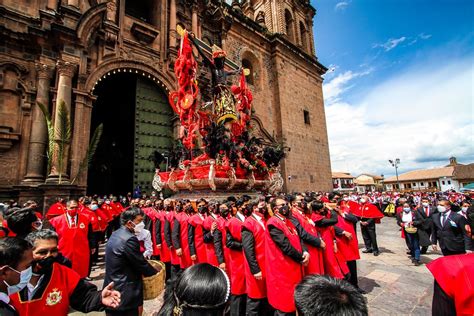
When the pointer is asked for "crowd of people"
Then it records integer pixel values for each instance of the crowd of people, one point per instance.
(265, 255)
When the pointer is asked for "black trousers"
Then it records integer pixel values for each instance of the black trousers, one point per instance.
(168, 270)
(352, 265)
(129, 312)
(370, 236)
(238, 304)
(257, 307)
(443, 305)
(447, 252)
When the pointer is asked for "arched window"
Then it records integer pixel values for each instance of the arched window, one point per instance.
(247, 64)
(145, 10)
(289, 25)
(304, 36)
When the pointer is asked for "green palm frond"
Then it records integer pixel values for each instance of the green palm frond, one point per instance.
(50, 129)
(63, 135)
(95, 140)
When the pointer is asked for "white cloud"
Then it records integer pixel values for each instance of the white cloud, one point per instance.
(421, 116)
(340, 84)
(390, 44)
(424, 36)
(342, 5)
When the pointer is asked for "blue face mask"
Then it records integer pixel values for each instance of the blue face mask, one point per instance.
(406, 209)
(25, 277)
(94, 207)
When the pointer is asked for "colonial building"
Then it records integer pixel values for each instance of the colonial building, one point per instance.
(342, 181)
(111, 63)
(450, 177)
(368, 183)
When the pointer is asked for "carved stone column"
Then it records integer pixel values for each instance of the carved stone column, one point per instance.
(172, 26)
(65, 72)
(80, 139)
(39, 132)
(194, 20)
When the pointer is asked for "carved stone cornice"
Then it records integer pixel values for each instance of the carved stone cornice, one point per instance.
(66, 68)
(44, 71)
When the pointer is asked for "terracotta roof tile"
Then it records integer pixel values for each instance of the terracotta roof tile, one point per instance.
(342, 175)
(424, 174)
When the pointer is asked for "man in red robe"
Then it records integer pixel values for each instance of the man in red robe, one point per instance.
(368, 215)
(233, 233)
(56, 209)
(209, 226)
(285, 256)
(76, 239)
(253, 244)
(165, 254)
(196, 234)
(53, 288)
(301, 218)
(180, 234)
(84, 209)
(169, 223)
(454, 289)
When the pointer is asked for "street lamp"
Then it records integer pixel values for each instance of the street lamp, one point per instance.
(383, 188)
(395, 164)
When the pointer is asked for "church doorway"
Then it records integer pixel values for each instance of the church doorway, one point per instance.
(137, 120)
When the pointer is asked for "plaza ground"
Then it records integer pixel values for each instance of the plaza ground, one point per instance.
(394, 285)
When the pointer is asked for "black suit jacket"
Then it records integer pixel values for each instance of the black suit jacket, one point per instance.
(452, 235)
(125, 266)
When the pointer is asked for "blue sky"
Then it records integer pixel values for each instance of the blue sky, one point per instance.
(400, 83)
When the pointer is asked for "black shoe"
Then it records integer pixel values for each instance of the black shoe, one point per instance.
(367, 251)
(361, 291)
(376, 253)
(408, 252)
(417, 262)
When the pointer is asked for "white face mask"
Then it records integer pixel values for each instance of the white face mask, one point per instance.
(346, 198)
(442, 209)
(107, 202)
(138, 227)
(406, 209)
(464, 209)
(363, 200)
(25, 277)
(425, 204)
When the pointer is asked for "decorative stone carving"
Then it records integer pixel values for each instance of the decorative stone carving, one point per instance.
(144, 33)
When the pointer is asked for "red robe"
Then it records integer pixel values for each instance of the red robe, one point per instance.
(55, 299)
(196, 221)
(316, 255)
(117, 208)
(91, 216)
(454, 275)
(165, 254)
(236, 258)
(73, 242)
(368, 210)
(102, 218)
(108, 211)
(210, 250)
(221, 226)
(282, 273)
(55, 210)
(256, 289)
(348, 248)
(174, 258)
(334, 263)
(185, 259)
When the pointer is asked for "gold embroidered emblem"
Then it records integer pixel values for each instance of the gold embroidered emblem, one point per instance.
(82, 226)
(54, 297)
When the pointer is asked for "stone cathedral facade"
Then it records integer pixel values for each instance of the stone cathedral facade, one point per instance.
(110, 63)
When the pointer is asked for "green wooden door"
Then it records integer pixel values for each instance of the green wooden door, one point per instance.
(153, 131)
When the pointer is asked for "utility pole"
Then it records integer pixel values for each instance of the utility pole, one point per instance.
(395, 164)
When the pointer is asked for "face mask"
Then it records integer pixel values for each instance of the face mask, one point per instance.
(406, 209)
(94, 207)
(303, 205)
(345, 199)
(44, 265)
(464, 209)
(38, 225)
(107, 202)
(225, 212)
(425, 204)
(25, 277)
(441, 209)
(284, 210)
(72, 213)
(138, 228)
(247, 211)
(362, 201)
(202, 209)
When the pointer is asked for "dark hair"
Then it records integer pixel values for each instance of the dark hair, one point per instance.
(202, 290)
(19, 221)
(324, 295)
(130, 214)
(273, 202)
(12, 250)
(316, 205)
(43, 234)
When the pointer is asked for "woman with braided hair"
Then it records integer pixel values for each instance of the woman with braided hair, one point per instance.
(202, 290)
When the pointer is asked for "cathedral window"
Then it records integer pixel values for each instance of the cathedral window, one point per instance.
(289, 25)
(247, 64)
